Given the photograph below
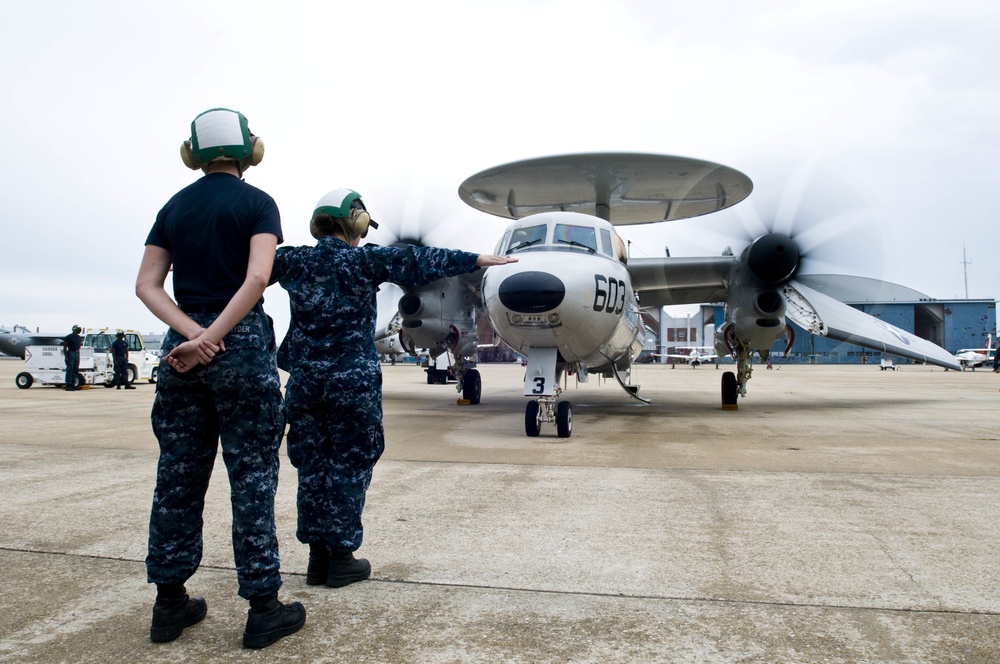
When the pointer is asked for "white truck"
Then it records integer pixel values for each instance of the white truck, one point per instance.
(46, 365)
(142, 363)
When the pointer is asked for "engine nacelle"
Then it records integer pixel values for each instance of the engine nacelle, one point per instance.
(772, 259)
(437, 317)
(755, 307)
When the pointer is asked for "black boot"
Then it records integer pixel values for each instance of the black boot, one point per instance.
(319, 563)
(173, 611)
(345, 569)
(268, 620)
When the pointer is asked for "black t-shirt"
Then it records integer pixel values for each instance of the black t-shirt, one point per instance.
(119, 348)
(207, 227)
(72, 341)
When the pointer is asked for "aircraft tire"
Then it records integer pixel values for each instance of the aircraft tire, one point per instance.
(564, 419)
(472, 386)
(532, 427)
(729, 389)
(24, 380)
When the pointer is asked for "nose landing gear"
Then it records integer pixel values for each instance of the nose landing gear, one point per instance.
(547, 409)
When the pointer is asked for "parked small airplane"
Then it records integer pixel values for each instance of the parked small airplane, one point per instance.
(571, 303)
(13, 342)
(693, 355)
(387, 338)
(970, 358)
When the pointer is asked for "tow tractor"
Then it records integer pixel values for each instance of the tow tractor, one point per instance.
(46, 365)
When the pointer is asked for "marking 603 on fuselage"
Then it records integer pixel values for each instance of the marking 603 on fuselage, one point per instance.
(609, 294)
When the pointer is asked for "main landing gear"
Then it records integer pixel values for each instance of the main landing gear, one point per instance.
(547, 409)
(730, 391)
(472, 386)
(734, 385)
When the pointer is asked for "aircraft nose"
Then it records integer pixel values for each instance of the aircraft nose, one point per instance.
(531, 292)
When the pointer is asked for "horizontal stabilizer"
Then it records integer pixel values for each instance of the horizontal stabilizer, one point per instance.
(825, 316)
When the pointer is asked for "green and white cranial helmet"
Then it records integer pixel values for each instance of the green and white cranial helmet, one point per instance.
(346, 207)
(337, 203)
(220, 133)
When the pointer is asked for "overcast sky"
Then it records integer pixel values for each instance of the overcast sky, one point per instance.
(896, 101)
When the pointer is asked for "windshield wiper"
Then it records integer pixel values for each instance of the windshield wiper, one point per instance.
(578, 244)
(521, 245)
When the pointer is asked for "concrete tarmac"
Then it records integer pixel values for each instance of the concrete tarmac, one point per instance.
(842, 514)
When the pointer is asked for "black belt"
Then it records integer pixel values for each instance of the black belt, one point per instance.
(202, 308)
(214, 307)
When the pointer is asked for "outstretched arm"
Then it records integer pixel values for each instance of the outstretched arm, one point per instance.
(485, 260)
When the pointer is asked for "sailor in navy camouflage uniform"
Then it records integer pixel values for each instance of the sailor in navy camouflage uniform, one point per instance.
(218, 381)
(71, 350)
(333, 398)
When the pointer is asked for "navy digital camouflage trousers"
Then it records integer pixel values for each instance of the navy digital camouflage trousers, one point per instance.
(234, 399)
(334, 439)
(72, 368)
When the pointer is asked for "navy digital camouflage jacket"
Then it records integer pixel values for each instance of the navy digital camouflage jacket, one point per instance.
(332, 295)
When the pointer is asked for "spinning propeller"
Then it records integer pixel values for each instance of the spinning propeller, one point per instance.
(812, 223)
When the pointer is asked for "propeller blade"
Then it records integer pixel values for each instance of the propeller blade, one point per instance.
(822, 208)
(825, 316)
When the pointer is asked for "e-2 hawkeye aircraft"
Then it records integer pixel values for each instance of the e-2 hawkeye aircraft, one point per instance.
(571, 304)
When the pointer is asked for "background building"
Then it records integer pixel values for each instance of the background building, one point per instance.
(952, 324)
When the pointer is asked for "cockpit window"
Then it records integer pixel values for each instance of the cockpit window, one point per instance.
(577, 236)
(606, 246)
(526, 237)
(504, 241)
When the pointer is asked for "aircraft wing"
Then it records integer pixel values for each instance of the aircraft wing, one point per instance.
(665, 281)
(849, 288)
(825, 316)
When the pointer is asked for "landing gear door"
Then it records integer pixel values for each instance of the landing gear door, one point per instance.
(540, 376)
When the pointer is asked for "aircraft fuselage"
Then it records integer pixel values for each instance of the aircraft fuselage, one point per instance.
(569, 290)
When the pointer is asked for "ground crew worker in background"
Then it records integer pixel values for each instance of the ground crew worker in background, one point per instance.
(71, 351)
(218, 380)
(119, 355)
(333, 398)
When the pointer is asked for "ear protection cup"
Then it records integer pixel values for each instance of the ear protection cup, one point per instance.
(257, 154)
(357, 223)
(220, 133)
(187, 156)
